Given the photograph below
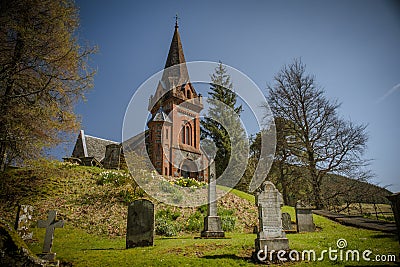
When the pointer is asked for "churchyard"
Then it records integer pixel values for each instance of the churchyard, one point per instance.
(92, 206)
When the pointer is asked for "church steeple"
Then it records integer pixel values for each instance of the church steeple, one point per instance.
(175, 55)
(176, 75)
(175, 123)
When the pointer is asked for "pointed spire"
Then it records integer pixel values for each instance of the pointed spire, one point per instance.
(175, 54)
(177, 75)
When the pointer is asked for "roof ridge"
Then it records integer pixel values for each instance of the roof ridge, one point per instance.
(87, 135)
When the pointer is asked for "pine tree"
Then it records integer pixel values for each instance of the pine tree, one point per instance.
(223, 117)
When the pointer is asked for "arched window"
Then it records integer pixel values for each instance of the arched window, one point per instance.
(183, 135)
(186, 134)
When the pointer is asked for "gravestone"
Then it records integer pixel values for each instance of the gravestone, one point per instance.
(112, 156)
(304, 218)
(395, 203)
(270, 236)
(140, 225)
(286, 222)
(50, 224)
(212, 222)
(23, 221)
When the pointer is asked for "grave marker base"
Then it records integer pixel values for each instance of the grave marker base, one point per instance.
(212, 227)
(272, 244)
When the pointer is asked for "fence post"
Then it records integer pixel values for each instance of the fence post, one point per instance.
(395, 203)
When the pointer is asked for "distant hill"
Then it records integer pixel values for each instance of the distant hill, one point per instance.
(336, 189)
(355, 191)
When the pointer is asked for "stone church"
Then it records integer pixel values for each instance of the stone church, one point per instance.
(172, 139)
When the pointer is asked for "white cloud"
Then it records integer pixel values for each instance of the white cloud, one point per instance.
(388, 93)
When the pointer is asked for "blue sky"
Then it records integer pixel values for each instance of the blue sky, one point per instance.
(352, 48)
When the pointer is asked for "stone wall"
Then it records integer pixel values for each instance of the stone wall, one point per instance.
(13, 250)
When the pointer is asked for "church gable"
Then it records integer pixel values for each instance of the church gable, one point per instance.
(80, 150)
(88, 146)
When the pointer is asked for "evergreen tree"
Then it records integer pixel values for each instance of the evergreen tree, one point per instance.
(222, 125)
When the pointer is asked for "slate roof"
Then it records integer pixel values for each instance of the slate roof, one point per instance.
(136, 143)
(96, 147)
(90, 146)
(161, 116)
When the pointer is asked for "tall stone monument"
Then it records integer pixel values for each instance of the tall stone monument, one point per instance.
(212, 223)
(140, 225)
(304, 218)
(270, 236)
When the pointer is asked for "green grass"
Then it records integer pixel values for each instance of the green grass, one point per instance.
(83, 249)
(95, 218)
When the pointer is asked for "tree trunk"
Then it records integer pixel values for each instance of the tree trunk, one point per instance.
(284, 187)
(3, 156)
(317, 194)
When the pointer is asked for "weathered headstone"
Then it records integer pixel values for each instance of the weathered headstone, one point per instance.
(304, 218)
(23, 221)
(286, 222)
(212, 222)
(112, 156)
(270, 236)
(140, 225)
(395, 203)
(50, 224)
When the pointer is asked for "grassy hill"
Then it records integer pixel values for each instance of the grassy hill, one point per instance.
(96, 200)
(94, 206)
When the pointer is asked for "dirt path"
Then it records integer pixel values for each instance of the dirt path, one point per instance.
(359, 222)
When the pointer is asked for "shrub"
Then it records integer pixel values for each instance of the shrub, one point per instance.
(195, 222)
(203, 209)
(228, 223)
(169, 214)
(127, 195)
(166, 227)
(228, 219)
(166, 224)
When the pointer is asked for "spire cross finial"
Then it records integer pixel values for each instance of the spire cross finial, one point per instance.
(176, 20)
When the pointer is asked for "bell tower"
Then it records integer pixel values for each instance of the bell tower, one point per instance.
(173, 140)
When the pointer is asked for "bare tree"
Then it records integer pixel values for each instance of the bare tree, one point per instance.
(322, 142)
